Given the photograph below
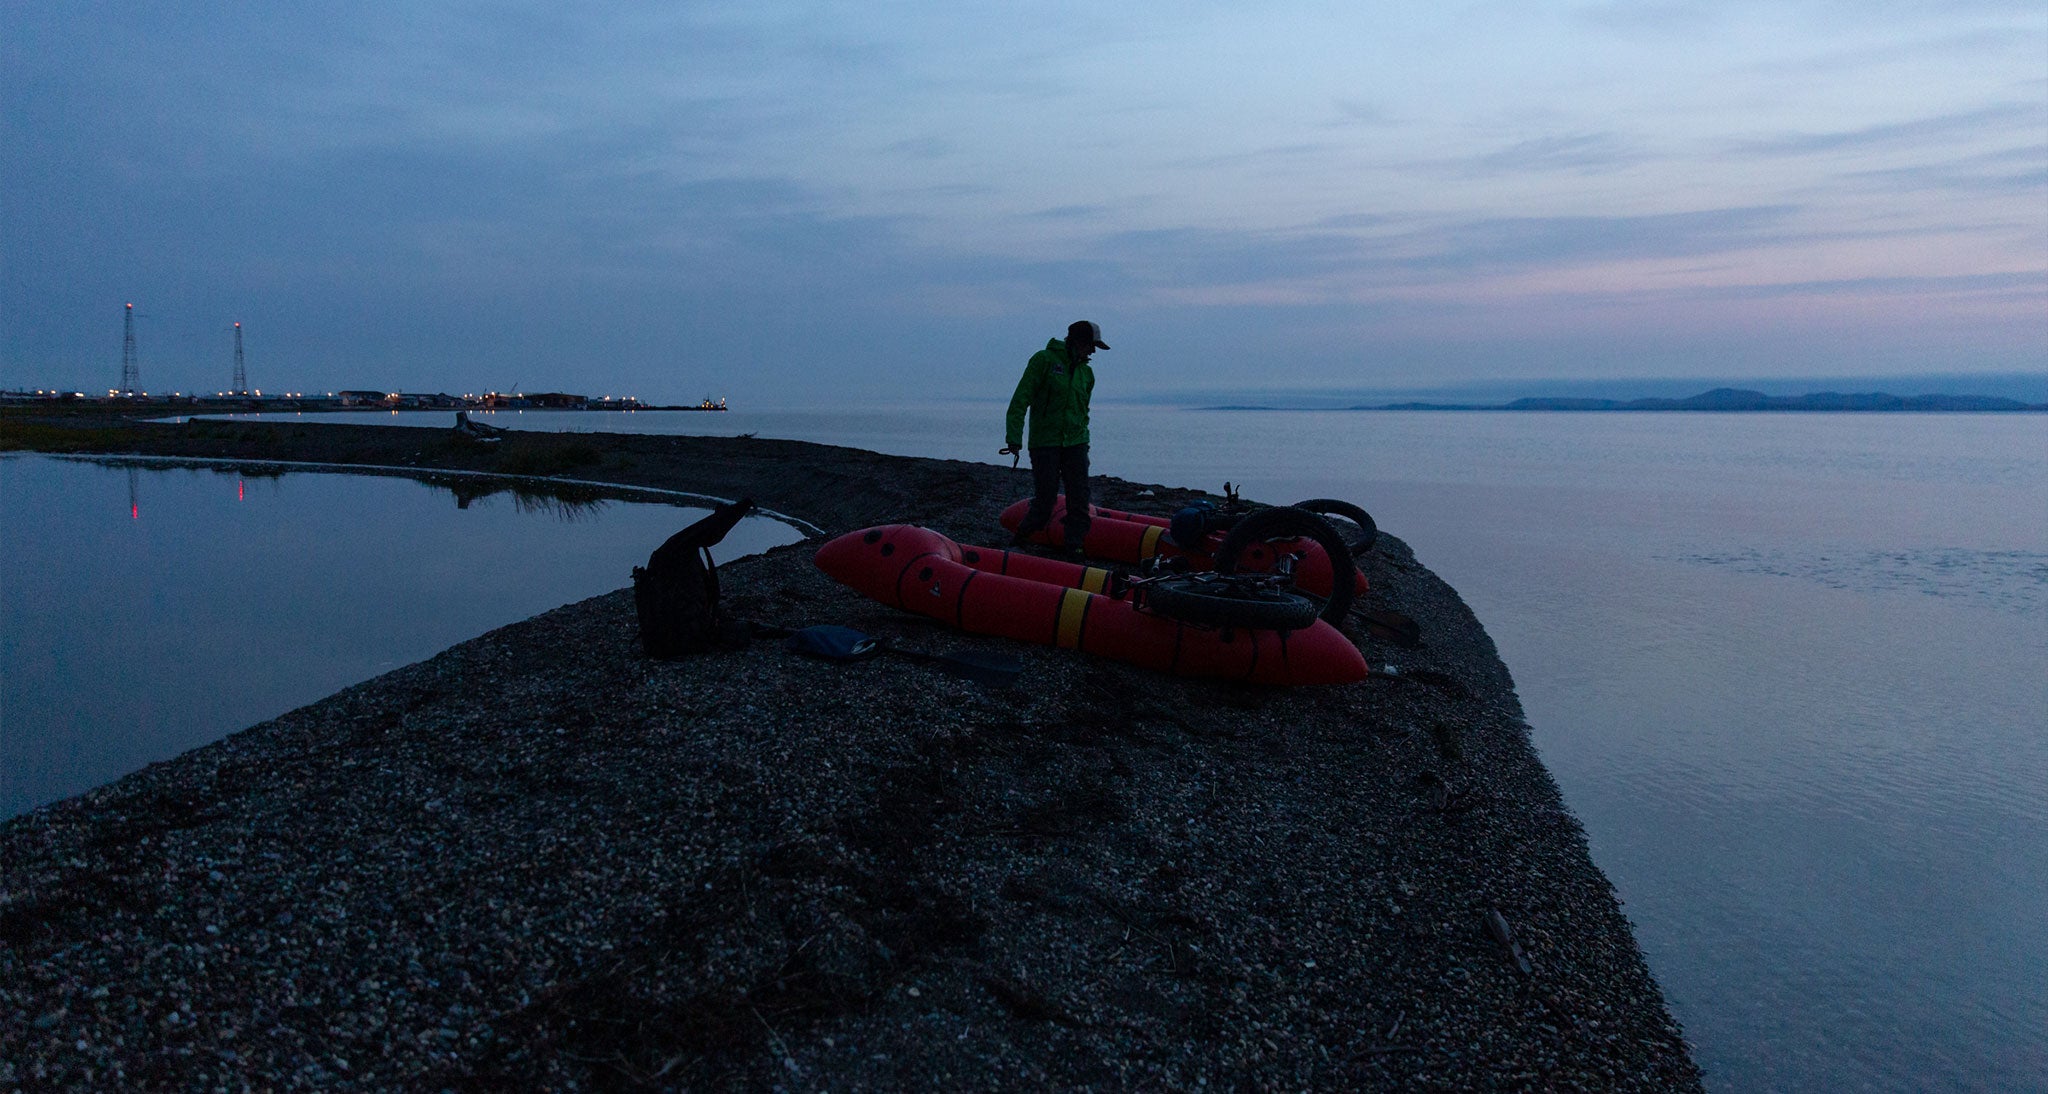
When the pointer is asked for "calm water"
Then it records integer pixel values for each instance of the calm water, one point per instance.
(1791, 671)
(145, 611)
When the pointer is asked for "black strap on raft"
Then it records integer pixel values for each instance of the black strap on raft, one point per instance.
(676, 593)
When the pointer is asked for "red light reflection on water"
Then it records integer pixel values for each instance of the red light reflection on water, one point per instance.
(240, 494)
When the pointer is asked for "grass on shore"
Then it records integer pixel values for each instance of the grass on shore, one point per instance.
(85, 431)
(39, 437)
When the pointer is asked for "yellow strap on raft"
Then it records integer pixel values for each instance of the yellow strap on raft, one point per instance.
(1094, 579)
(1073, 608)
(1149, 545)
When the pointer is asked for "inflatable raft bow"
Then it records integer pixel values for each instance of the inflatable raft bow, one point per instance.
(1031, 599)
(1119, 536)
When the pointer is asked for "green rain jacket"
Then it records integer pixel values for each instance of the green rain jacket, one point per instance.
(1055, 390)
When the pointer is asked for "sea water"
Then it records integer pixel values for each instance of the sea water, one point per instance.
(1791, 670)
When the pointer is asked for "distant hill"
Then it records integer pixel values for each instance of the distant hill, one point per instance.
(1728, 399)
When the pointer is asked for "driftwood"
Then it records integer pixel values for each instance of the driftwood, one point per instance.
(476, 431)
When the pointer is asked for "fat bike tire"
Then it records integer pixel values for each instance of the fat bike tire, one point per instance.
(1271, 609)
(1289, 522)
(1368, 532)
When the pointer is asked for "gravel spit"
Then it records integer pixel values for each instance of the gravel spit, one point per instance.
(540, 861)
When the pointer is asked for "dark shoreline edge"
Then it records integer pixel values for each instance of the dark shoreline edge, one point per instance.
(536, 859)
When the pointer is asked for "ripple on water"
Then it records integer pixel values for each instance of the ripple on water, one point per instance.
(2009, 581)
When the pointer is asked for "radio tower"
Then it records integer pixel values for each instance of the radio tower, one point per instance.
(241, 377)
(129, 378)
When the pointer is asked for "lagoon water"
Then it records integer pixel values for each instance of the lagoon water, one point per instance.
(1790, 670)
(147, 610)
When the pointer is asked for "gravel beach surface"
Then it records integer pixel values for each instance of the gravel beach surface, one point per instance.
(539, 860)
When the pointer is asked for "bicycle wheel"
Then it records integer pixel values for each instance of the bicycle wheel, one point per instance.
(1192, 600)
(1368, 532)
(1286, 522)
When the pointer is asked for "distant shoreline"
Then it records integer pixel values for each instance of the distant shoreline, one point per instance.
(260, 405)
(1730, 401)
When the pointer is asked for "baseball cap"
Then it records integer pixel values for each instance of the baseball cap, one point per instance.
(1094, 332)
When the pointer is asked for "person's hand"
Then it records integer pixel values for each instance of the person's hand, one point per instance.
(1012, 451)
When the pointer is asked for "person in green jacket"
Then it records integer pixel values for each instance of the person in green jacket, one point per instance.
(1054, 392)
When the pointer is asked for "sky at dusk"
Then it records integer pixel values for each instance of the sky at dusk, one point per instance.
(800, 203)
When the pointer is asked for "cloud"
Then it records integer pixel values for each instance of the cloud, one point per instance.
(1992, 41)
(1998, 119)
(648, 189)
(1268, 156)
(2019, 288)
(1071, 212)
(1647, 17)
(1357, 112)
(1354, 221)
(1356, 258)
(2013, 171)
(923, 148)
(1580, 152)
(1584, 153)
(1507, 243)
(1192, 256)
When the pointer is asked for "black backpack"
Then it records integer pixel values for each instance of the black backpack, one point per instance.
(676, 593)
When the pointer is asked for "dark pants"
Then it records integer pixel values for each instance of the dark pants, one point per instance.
(1049, 468)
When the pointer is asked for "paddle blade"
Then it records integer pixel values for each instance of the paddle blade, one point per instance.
(1390, 627)
(992, 669)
